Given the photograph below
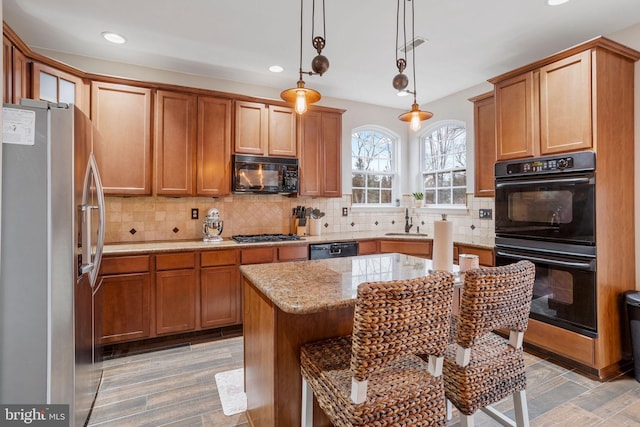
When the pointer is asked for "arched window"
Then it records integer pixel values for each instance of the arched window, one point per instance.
(373, 166)
(444, 163)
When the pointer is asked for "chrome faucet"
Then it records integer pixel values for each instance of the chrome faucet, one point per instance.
(407, 226)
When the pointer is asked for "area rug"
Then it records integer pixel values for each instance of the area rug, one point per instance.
(231, 390)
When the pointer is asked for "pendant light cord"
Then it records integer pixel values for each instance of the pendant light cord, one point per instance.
(404, 31)
(413, 48)
(301, 16)
(313, 21)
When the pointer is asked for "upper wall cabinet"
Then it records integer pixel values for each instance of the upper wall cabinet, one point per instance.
(175, 141)
(264, 130)
(53, 85)
(213, 164)
(192, 145)
(550, 107)
(484, 118)
(122, 114)
(16, 73)
(320, 154)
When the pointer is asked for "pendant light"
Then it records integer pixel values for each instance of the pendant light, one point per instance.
(300, 95)
(415, 116)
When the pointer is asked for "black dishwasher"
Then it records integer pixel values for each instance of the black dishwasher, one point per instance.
(333, 250)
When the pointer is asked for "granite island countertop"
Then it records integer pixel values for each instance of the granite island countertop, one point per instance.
(132, 248)
(304, 287)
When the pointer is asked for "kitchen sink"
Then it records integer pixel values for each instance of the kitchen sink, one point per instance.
(407, 234)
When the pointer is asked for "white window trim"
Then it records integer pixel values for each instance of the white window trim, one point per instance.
(395, 190)
(446, 209)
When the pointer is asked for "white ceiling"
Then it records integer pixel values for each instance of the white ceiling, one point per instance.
(470, 41)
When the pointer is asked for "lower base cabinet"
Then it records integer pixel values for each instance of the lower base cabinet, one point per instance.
(123, 305)
(123, 300)
(176, 301)
(220, 297)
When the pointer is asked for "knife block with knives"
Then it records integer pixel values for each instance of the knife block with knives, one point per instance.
(299, 221)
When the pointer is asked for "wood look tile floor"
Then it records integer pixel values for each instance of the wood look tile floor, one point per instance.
(175, 386)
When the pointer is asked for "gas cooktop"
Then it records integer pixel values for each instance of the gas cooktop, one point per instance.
(257, 238)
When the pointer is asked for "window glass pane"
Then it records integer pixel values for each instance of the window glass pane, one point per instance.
(373, 196)
(358, 180)
(385, 196)
(430, 196)
(48, 87)
(459, 196)
(357, 195)
(67, 91)
(444, 179)
(387, 182)
(444, 196)
(459, 178)
(373, 181)
(429, 180)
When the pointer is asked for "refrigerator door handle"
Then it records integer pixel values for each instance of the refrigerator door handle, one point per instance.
(91, 264)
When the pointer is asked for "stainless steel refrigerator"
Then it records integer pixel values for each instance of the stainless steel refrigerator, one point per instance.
(52, 236)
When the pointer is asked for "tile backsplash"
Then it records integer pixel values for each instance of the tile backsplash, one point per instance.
(139, 219)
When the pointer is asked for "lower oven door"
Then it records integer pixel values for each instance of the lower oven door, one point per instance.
(564, 292)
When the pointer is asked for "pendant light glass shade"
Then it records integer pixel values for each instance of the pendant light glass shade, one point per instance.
(301, 96)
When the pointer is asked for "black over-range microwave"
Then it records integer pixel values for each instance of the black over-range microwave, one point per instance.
(266, 175)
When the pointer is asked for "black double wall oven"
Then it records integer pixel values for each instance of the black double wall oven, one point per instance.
(545, 213)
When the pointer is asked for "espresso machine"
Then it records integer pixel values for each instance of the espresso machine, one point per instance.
(212, 226)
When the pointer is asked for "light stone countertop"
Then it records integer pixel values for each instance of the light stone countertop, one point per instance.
(303, 287)
(228, 243)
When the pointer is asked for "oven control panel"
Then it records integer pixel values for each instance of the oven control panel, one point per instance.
(540, 165)
(581, 161)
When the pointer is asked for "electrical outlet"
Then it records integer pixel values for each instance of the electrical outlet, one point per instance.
(345, 211)
(194, 213)
(485, 213)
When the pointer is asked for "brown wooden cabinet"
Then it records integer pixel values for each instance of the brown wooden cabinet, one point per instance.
(484, 117)
(220, 293)
(367, 247)
(582, 98)
(122, 114)
(175, 143)
(321, 154)
(192, 145)
(16, 73)
(123, 299)
(53, 85)
(547, 110)
(265, 130)
(213, 155)
(422, 248)
(176, 293)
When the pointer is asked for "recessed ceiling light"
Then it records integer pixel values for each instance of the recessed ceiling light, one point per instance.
(276, 69)
(114, 37)
(556, 2)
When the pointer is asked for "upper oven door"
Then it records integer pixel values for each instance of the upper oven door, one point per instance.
(556, 207)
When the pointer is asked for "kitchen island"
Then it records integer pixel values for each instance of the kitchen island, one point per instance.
(289, 304)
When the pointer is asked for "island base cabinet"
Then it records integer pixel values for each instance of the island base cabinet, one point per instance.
(220, 298)
(272, 341)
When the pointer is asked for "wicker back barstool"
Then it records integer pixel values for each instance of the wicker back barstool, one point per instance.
(374, 377)
(480, 367)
